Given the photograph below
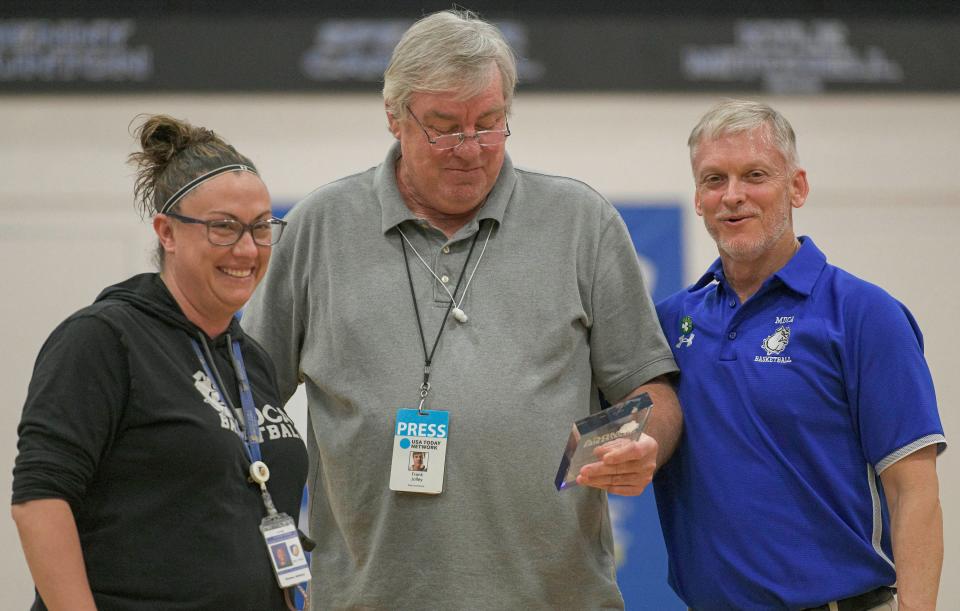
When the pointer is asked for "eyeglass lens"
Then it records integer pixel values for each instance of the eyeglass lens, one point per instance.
(228, 231)
(484, 138)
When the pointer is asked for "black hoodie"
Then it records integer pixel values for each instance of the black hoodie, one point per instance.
(121, 423)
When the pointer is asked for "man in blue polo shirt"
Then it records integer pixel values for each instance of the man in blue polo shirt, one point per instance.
(811, 426)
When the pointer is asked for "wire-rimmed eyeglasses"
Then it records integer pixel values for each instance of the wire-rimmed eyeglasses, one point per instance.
(442, 142)
(227, 232)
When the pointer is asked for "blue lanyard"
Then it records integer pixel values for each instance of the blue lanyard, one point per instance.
(251, 428)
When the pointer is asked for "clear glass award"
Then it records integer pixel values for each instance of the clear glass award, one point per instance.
(621, 421)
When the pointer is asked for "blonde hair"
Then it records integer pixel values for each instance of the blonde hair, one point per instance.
(738, 116)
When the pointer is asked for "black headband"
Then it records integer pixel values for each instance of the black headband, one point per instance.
(196, 182)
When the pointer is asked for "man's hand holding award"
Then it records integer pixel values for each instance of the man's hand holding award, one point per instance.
(607, 450)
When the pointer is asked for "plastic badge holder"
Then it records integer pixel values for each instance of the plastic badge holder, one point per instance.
(621, 421)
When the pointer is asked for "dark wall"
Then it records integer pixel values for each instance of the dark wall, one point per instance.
(490, 8)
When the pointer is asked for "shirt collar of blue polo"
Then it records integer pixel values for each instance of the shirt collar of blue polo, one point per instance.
(799, 274)
(394, 211)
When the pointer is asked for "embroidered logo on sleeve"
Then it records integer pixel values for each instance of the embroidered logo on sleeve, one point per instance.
(686, 332)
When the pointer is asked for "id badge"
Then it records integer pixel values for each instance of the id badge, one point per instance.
(419, 451)
(287, 556)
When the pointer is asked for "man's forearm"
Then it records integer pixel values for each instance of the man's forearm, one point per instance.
(666, 419)
(916, 524)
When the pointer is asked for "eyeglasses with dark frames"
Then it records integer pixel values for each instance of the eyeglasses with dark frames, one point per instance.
(227, 232)
(443, 142)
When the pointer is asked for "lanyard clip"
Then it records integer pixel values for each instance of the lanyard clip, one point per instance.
(424, 391)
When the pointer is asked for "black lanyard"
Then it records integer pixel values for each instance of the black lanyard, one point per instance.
(428, 358)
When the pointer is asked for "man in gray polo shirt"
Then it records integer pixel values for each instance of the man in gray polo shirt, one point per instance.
(497, 299)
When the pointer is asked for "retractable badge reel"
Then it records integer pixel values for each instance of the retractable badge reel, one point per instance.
(286, 552)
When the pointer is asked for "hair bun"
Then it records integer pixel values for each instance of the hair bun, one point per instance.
(173, 152)
(162, 137)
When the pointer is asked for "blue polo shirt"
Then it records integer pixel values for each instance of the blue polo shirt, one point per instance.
(794, 402)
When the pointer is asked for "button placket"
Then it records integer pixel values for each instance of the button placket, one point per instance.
(440, 297)
(443, 270)
(728, 349)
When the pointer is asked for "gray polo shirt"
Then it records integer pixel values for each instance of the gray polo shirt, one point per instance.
(557, 309)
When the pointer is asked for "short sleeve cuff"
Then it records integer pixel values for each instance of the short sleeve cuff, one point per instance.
(627, 384)
(909, 449)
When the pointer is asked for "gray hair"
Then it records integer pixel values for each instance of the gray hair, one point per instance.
(449, 51)
(738, 116)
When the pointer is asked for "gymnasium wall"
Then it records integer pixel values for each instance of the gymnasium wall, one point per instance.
(884, 204)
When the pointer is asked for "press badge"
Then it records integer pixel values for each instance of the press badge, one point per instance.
(419, 450)
(286, 552)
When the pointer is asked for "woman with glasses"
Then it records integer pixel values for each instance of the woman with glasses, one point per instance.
(156, 468)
